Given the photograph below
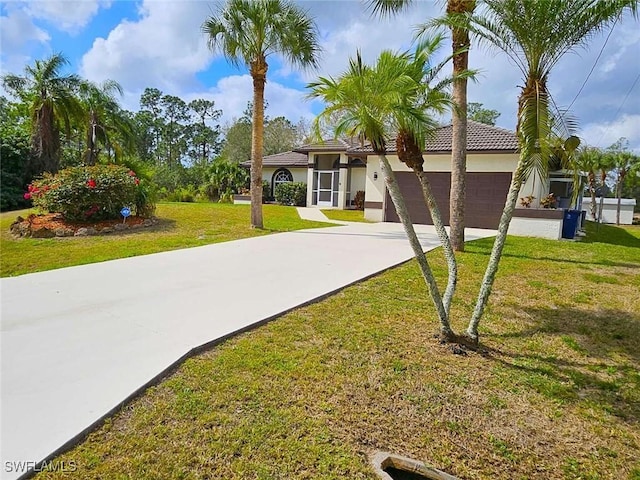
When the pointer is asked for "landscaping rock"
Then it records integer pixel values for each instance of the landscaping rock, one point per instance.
(54, 225)
(42, 233)
(64, 232)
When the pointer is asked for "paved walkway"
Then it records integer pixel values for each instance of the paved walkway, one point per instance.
(77, 342)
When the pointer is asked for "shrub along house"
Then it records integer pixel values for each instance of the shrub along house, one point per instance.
(335, 170)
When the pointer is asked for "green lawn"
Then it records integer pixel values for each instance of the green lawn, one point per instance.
(554, 393)
(345, 215)
(182, 225)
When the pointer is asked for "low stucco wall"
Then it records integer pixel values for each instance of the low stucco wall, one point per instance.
(373, 214)
(536, 227)
(610, 207)
(540, 223)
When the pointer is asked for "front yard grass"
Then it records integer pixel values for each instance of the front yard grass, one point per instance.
(345, 215)
(182, 225)
(555, 393)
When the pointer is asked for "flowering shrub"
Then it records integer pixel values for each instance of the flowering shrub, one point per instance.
(91, 193)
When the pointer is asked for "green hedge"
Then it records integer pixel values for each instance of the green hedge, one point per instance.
(291, 193)
(91, 193)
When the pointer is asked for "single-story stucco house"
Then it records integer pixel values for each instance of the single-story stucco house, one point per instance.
(335, 170)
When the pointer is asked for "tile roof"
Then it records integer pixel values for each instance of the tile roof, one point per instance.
(480, 137)
(285, 159)
(334, 145)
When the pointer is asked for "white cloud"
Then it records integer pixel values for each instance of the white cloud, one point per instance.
(67, 15)
(603, 134)
(18, 29)
(346, 27)
(18, 34)
(624, 37)
(232, 93)
(165, 48)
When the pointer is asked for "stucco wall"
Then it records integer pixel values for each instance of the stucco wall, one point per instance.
(536, 227)
(374, 187)
(299, 173)
(373, 214)
(486, 162)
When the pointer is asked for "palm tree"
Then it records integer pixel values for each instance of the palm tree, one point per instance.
(105, 122)
(371, 103)
(534, 34)
(51, 99)
(589, 160)
(624, 163)
(433, 98)
(457, 12)
(248, 31)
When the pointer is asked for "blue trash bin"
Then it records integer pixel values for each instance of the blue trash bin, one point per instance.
(570, 223)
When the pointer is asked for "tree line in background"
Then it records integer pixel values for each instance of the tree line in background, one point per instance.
(54, 121)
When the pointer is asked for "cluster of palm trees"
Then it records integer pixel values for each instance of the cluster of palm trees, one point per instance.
(597, 164)
(58, 102)
(389, 99)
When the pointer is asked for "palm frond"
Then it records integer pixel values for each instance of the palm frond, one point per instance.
(387, 8)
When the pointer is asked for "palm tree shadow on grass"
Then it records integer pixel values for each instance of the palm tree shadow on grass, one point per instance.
(604, 335)
(483, 247)
(611, 235)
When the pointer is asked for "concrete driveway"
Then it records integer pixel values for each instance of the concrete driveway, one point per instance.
(78, 342)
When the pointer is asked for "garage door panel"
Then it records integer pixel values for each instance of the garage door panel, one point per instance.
(486, 193)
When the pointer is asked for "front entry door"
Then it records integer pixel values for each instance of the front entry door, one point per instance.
(325, 189)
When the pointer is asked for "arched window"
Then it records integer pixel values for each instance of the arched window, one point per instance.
(282, 175)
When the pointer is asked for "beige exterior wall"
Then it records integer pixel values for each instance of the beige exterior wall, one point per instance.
(373, 214)
(489, 162)
(374, 188)
(299, 173)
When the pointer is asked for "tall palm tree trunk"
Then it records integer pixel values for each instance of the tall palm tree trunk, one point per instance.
(592, 190)
(449, 255)
(91, 140)
(410, 153)
(621, 175)
(46, 142)
(460, 44)
(259, 74)
(603, 178)
(401, 209)
(496, 252)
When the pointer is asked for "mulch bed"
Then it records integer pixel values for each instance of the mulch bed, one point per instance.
(55, 225)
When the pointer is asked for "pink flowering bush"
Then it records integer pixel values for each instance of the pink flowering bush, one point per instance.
(91, 193)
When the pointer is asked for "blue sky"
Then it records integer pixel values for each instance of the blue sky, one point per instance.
(158, 43)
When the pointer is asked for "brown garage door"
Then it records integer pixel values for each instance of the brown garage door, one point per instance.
(485, 197)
